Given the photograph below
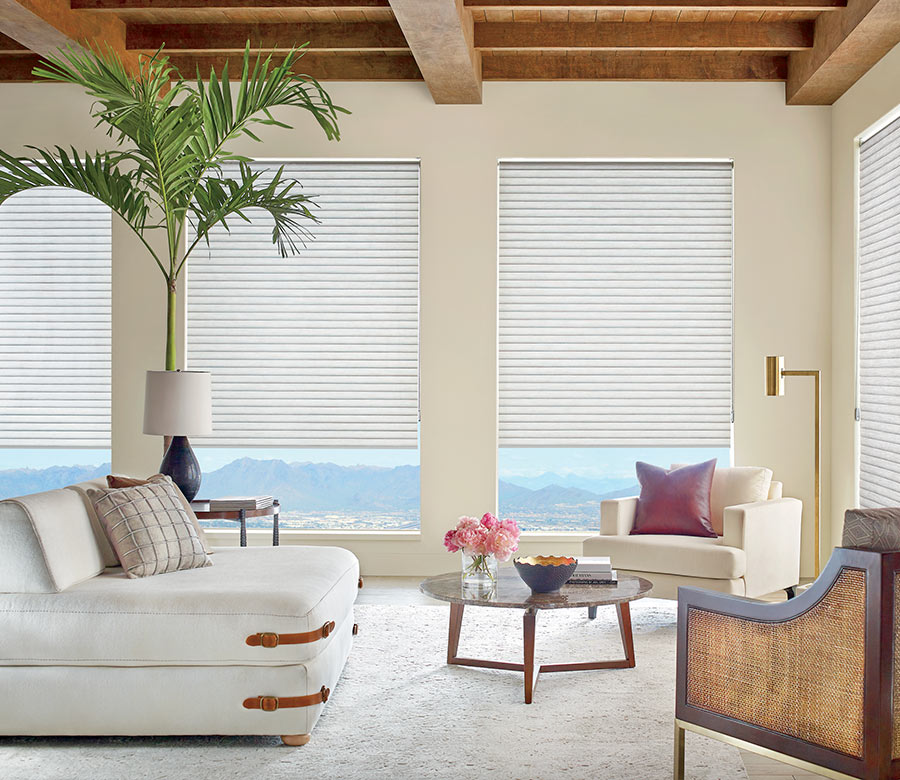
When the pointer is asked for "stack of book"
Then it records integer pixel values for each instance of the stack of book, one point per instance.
(237, 503)
(594, 571)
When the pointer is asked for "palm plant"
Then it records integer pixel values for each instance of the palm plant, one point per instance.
(171, 137)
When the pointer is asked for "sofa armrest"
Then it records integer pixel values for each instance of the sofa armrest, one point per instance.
(617, 516)
(769, 534)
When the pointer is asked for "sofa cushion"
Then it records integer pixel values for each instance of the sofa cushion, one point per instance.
(106, 550)
(691, 556)
(47, 543)
(149, 529)
(200, 616)
(733, 485)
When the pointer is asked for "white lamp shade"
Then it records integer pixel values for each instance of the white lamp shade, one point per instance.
(178, 403)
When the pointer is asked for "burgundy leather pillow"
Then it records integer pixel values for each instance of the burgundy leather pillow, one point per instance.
(676, 501)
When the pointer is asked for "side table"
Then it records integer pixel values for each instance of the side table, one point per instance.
(201, 509)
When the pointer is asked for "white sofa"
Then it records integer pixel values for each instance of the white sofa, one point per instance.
(87, 651)
(758, 551)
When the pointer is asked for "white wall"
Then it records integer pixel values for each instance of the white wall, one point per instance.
(873, 96)
(782, 261)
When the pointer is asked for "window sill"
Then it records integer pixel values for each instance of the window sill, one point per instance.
(556, 536)
(292, 534)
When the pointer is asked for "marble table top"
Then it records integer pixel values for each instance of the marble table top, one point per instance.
(512, 592)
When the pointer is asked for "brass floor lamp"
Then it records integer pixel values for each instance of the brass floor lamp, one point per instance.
(775, 373)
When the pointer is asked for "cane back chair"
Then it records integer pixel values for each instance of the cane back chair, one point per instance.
(813, 682)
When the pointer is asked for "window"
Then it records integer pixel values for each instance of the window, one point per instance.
(55, 339)
(879, 322)
(314, 358)
(615, 328)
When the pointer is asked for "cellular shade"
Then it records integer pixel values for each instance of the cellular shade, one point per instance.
(55, 320)
(321, 349)
(615, 303)
(879, 318)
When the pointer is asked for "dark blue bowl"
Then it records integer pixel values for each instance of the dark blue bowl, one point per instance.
(545, 573)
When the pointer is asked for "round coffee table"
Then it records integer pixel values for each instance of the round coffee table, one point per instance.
(511, 593)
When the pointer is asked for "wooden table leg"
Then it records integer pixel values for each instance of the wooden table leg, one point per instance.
(456, 616)
(623, 611)
(528, 630)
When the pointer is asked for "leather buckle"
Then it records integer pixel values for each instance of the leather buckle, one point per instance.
(268, 639)
(326, 692)
(268, 703)
(327, 629)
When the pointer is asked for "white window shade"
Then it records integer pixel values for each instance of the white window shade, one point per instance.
(615, 303)
(55, 320)
(319, 349)
(879, 318)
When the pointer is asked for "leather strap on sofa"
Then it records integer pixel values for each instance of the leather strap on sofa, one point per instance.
(273, 703)
(271, 639)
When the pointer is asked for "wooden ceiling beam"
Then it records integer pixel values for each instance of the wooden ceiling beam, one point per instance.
(649, 36)
(213, 5)
(325, 67)
(46, 26)
(10, 46)
(322, 66)
(441, 37)
(18, 67)
(635, 67)
(709, 5)
(847, 44)
(321, 36)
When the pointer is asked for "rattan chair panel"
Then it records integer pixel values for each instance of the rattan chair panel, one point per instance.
(802, 677)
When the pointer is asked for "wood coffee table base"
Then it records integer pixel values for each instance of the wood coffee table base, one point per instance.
(529, 619)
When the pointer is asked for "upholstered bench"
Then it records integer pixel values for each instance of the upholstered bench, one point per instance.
(250, 645)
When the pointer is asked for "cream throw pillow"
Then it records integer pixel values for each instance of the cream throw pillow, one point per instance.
(733, 485)
(149, 529)
(120, 481)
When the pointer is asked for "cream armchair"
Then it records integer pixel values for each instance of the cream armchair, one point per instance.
(758, 551)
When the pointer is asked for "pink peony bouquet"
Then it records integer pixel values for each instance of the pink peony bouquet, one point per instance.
(488, 536)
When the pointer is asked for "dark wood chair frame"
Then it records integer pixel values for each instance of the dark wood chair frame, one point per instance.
(876, 762)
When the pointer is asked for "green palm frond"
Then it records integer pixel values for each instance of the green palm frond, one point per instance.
(217, 199)
(172, 138)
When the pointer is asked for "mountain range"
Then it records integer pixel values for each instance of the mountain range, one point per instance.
(327, 486)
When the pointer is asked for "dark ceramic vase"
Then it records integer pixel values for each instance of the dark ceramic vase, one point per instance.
(182, 466)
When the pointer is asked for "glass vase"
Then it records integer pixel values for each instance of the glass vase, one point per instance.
(479, 573)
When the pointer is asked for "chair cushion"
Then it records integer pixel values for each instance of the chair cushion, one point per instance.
(733, 485)
(872, 529)
(690, 556)
(47, 543)
(200, 616)
(149, 529)
(676, 501)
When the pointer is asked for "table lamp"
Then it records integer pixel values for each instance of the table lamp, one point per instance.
(775, 373)
(179, 404)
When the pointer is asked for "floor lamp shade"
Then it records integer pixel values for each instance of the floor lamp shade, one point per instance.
(774, 375)
(179, 404)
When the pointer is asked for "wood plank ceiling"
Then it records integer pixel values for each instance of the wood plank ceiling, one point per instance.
(819, 48)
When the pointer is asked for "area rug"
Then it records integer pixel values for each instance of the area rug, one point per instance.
(400, 712)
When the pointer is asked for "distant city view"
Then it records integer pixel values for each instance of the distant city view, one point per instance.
(544, 490)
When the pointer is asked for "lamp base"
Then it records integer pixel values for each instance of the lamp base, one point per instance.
(182, 466)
